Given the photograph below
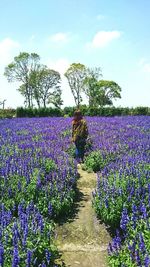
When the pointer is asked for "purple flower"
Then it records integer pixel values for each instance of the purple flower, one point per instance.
(29, 258)
(1, 255)
(143, 211)
(50, 209)
(15, 260)
(141, 243)
(124, 219)
(147, 261)
(43, 264)
(48, 255)
(137, 258)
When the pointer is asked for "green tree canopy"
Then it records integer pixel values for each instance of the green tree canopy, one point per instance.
(20, 70)
(90, 88)
(105, 92)
(75, 75)
(37, 82)
(46, 86)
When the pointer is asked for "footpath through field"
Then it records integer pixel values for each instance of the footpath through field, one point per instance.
(82, 240)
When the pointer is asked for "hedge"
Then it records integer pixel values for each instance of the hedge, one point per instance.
(108, 111)
(41, 112)
(7, 113)
(69, 111)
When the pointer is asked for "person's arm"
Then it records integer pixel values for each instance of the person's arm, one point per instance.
(72, 135)
(85, 130)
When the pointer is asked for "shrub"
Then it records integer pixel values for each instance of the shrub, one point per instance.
(7, 113)
(41, 112)
(94, 161)
(69, 111)
(140, 111)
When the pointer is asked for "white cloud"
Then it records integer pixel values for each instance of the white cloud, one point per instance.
(7, 50)
(145, 65)
(60, 37)
(60, 65)
(103, 38)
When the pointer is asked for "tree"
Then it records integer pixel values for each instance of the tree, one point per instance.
(111, 91)
(56, 99)
(20, 70)
(105, 92)
(3, 103)
(75, 75)
(46, 86)
(90, 88)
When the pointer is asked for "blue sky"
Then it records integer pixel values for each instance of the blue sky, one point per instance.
(113, 35)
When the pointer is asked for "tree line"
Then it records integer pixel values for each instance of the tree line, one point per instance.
(41, 85)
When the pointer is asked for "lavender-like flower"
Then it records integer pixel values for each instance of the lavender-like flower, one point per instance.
(48, 256)
(124, 219)
(29, 258)
(1, 255)
(16, 259)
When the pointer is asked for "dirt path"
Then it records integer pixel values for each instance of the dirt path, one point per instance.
(83, 240)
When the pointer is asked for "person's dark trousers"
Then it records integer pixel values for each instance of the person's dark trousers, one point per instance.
(80, 149)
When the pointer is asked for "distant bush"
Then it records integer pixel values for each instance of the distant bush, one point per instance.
(107, 111)
(69, 111)
(41, 112)
(141, 111)
(7, 113)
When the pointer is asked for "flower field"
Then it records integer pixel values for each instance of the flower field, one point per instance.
(38, 176)
(122, 197)
(37, 181)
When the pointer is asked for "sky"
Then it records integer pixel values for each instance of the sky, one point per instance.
(113, 35)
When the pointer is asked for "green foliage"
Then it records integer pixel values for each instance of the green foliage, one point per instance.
(90, 89)
(37, 82)
(31, 193)
(49, 165)
(66, 133)
(20, 70)
(46, 86)
(69, 111)
(124, 255)
(75, 75)
(7, 113)
(141, 111)
(42, 112)
(111, 212)
(36, 241)
(107, 111)
(100, 92)
(71, 151)
(95, 161)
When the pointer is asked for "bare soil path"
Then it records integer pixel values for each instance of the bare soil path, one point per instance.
(83, 240)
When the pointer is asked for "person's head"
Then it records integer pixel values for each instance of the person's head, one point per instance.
(77, 115)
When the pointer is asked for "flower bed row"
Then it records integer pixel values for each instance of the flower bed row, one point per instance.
(122, 196)
(38, 176)
(37, 180)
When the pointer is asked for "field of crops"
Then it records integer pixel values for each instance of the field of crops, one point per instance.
(37, 186)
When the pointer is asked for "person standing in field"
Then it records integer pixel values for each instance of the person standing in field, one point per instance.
(79, 135)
